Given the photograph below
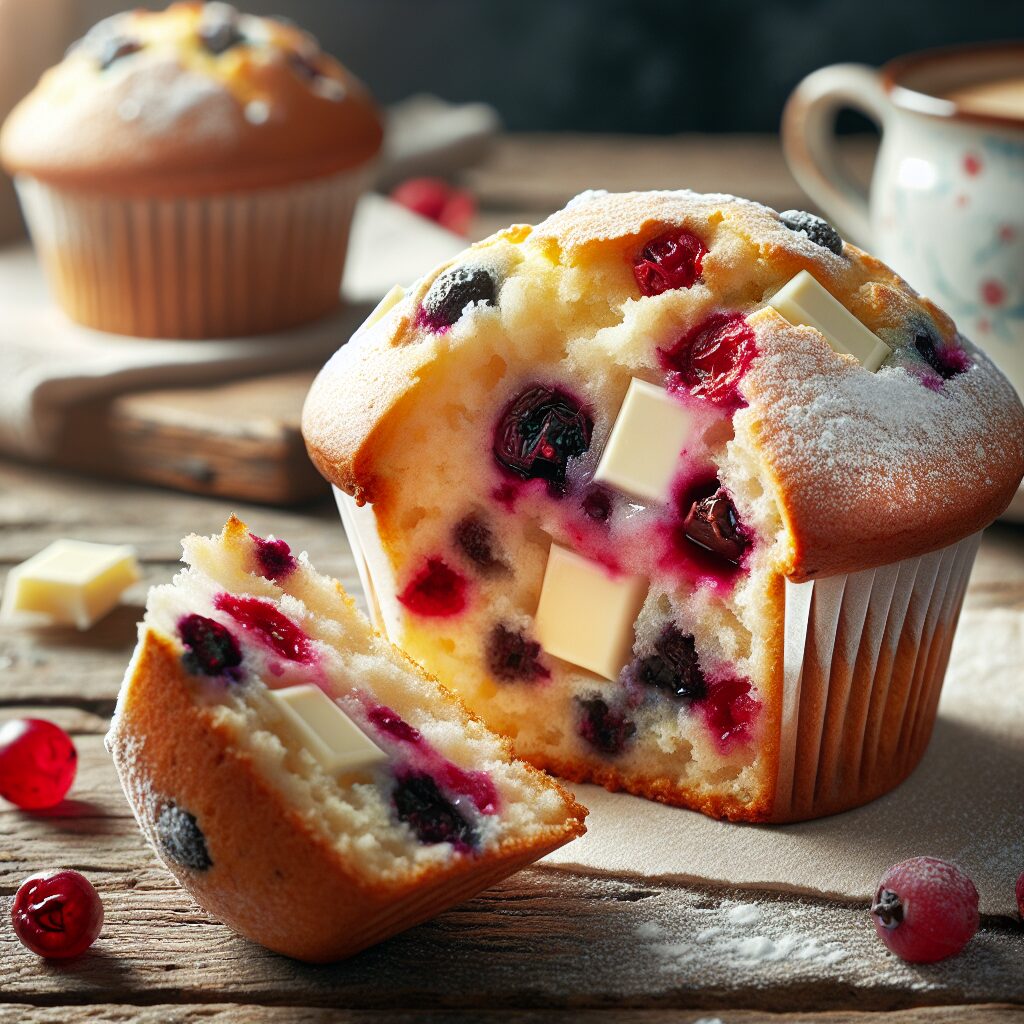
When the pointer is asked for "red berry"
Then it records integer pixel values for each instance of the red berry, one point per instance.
(672, 260)
(710, 360)
(57, 914)
(452, 208)
(1020, 895)
(37, 763)
(263, 620)
(925, 910)
(435, 590)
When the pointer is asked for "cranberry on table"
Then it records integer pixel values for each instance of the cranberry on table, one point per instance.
(57, 914)
(453, 208)
(37, 763)
(925, 910)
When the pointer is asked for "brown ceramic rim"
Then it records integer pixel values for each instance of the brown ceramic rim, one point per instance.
(933, 106)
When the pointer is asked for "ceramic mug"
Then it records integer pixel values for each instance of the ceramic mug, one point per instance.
(946, 207)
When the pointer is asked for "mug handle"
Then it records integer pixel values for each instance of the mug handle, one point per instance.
(808, 141)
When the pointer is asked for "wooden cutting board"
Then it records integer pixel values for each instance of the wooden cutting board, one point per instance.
(239, 440)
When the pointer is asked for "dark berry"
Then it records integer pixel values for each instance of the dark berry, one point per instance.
(453, 291)
(430, 814)
(218, 29)
(672, 260)
(604, 729)
(435, 590)
(710, 359)
(181, 838)
(946, 362)
(116, 47)
(674, 666)
(38, 762)
(815, 228)
(512, 657)
(476, 541)
(925, 909)
(539, 431)
(304, 66)
(274, 557)
(57, 914)
(597, 504)
(212, 650)
(269, 625)
(712, 523)
(394, 725)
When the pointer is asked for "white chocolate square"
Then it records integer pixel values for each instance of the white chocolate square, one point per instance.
(69, 583)
(805, 303)
(320, 725)
(647, 438)
(586, 615)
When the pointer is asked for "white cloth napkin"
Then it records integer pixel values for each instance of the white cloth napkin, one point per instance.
(48, 363)
(965, 803)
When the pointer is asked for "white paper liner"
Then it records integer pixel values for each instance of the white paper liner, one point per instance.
(194, 267)
(864, 655)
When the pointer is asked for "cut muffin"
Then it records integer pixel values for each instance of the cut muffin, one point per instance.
(305, 781)
(682, 494)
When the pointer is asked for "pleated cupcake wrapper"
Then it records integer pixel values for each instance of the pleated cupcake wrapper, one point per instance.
(864, 656)
(203, 267)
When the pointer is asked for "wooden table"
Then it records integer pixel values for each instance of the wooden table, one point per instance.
(545, 945)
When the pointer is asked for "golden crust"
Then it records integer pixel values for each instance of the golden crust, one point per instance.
(867, 468)
(174, 119)
(271, 875)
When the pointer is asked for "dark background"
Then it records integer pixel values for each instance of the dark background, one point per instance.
(615, 65)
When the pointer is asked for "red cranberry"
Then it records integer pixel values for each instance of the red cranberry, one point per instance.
(925, 910)
(729, 711)
(212, 650)
(674, 666)
(711, 523)
(394, 725)
(602, 727)
(435, 590)
(539, 431)
(512, 657)
(1020, 895)
(672, 260)
(276, 630)
(430, 814)
(274, 557)
(711, 359)
(452, 208)
(452, 292)
(57, 914)
(476, 541)
(946, 362)
(37, 763)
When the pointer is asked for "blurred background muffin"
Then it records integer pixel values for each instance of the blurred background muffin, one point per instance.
(192, 173)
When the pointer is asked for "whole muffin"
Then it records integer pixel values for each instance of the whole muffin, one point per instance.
(193, 172)
(681, 494)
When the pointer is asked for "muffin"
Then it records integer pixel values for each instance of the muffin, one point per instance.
(680, 493)
(306, 782)
(192, 173)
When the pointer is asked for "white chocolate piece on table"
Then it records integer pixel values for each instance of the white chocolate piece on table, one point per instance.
(585, 615)
(647, 438)
(805, 303)
(69, 583)
(320, 725)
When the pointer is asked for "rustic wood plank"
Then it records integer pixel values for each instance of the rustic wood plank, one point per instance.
(234, 1013)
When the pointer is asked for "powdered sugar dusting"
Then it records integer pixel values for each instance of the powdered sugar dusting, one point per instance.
(162, 96)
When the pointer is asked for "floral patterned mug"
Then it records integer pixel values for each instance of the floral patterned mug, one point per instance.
(946, 207)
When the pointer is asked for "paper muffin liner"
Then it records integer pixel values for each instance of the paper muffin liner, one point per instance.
(194, 267)
(864, 657)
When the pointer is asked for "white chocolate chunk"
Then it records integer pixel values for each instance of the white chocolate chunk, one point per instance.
(647, 438)
(69, 583)
(321, 726)
(586, 615)
(805, 303)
